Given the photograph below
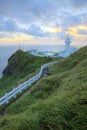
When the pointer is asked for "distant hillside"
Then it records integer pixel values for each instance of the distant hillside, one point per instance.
(55, 102)
(23, 63)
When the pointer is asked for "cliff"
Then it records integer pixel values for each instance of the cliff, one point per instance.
(23, 63)
(56, 102)
(21, 66)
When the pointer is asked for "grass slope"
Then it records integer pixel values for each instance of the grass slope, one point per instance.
(22, 66)
(55, 102)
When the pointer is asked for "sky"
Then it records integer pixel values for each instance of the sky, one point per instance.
(43, 21)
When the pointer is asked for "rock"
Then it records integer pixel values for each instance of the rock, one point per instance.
(45, 71)
(7, 71)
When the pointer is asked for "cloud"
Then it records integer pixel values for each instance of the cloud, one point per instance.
(70, 21)
(42, 11)
(30, 16)
(82, 32)
(36, 31)
(78, 3)
(8, 25)
(11, 26)
(2, 35)
(62, 35)
(6, 35)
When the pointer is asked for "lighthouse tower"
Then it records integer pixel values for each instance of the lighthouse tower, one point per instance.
(68, 49)
(67, 46)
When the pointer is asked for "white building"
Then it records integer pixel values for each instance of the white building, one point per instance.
(33, 52)
(41, 54)
(68, 50)
(48, 54)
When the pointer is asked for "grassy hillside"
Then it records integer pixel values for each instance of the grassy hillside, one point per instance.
(21, 66)
(55, 102)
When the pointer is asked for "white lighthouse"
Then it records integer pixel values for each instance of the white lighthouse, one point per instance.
(68, 49)
(67, 41)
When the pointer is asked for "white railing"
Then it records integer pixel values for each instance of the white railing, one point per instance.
(13, 94)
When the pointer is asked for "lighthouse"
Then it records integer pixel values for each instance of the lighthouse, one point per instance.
(67, 46)
(68, 49)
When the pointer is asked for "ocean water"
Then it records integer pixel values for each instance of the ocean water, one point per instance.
(7, 50)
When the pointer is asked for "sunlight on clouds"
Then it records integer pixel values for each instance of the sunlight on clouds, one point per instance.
(52, 29)
(76, 35)
(74, 31)
(82, 27)
(16, 38)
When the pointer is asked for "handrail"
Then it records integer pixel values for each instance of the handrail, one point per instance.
(13, 94)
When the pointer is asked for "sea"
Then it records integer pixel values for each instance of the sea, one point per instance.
(7, 50)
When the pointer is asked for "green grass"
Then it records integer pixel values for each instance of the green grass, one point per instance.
(22, 67)
(55, 102)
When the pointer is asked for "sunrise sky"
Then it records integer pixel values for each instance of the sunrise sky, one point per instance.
(43, 21)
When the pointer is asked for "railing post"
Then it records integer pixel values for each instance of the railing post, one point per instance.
(29, 82)
(20, 88)
(6, 98)
(14, 92)
(25, 85)
(36, 78)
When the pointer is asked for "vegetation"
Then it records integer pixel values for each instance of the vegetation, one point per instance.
(21, 66)
(55, 102)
